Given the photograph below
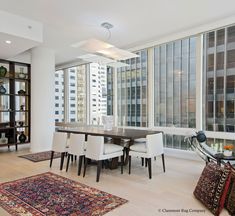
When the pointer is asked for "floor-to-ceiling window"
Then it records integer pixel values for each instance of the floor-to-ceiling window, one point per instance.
(175, 84)
(219, 80)
(132, 92)
(110, 90)
(81, 93)
(97, 92)
(76, 88)
(174, 87)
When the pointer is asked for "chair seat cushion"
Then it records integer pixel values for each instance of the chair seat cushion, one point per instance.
(139, 147)
(112, 148)
(140, 140)
(212, 187)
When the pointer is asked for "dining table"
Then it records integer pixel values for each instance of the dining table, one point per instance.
(118, 134)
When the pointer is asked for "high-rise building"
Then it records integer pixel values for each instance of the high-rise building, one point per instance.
(59, 96)
(132, 92)
(98, 92)
(81, 79)
(219, 71)
(110, 92)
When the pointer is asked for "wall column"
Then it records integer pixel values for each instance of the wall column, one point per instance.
(42, 98)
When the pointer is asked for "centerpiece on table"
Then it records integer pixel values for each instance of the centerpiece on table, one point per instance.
(228, 150)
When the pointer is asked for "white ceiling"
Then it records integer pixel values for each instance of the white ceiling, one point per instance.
(135, 21)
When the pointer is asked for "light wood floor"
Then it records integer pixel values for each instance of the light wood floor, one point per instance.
(172, 190)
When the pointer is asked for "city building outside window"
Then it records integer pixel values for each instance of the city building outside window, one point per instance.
(132, 92)
(174, 84)
(175, 88)
(219, 80)
(59, 96)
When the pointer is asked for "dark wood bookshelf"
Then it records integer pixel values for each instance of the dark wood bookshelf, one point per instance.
(16, 78)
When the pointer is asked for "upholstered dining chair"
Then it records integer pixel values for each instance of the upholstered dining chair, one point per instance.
(59, 145)
(151, 148)
(98, 150)
(77, 148)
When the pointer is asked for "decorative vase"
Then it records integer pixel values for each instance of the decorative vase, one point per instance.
(22, 137)
(3, 139)
(21, 74)
(2, 90)
(3, 71)
(228, 153)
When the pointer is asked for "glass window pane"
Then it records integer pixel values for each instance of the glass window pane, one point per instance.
(220, 37)
(132, 92)
(174, 83)
(220, 84)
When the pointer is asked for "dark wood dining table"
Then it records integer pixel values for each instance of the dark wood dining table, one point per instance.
(117, 134)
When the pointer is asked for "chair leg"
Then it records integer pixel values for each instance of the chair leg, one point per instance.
(122, 163)
(129, 164)
(155, 158)
(80, 164)
(163, 163)
(67, 166)
(72, 158)
(149, 167)
(85, 164)
(62, 160)
(146, 162)
(99, 164)
(75, 157)
(142, 161)
(52, 156)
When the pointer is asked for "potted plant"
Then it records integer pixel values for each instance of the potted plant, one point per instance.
(228, 150)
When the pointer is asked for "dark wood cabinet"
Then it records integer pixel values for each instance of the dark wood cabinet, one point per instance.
(14, 103)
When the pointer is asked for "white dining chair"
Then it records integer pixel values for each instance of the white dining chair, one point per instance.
(76, 148)
(98, 150)
(151, 148)
(59, 144)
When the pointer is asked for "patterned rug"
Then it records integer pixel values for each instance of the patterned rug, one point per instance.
(51, 194)
(40, 156)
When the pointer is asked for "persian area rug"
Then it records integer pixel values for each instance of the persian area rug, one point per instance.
(41, 156)
(51, 194)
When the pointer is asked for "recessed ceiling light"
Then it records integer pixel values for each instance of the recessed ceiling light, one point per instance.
(8, 41)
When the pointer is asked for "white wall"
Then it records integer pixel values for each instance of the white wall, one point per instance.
(42, 98)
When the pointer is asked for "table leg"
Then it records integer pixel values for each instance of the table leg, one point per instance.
(127, 149)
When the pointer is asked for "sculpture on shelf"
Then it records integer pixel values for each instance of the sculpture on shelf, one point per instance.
(2, 89)
(22, 107)
(21, 123)
(3, 71)
(21, 92)
(22, 137)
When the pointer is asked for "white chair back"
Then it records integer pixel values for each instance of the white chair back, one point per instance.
(76, 144)
(59, 142)
(154, 144)
(95, 147)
